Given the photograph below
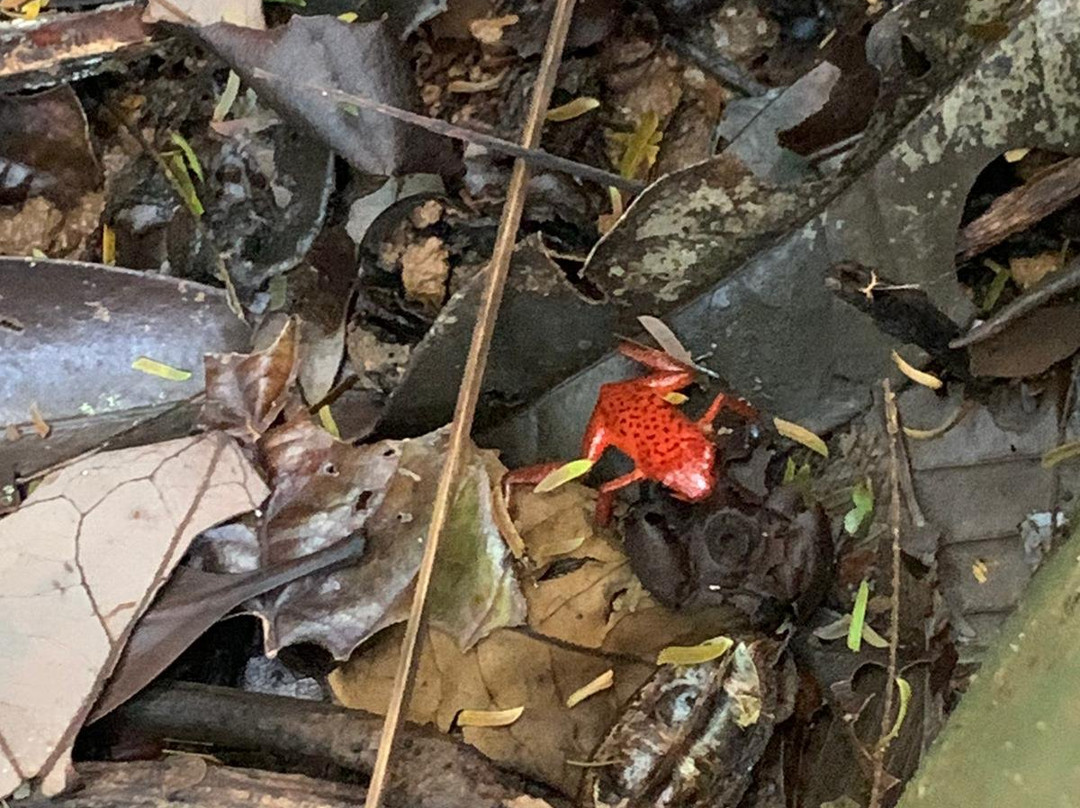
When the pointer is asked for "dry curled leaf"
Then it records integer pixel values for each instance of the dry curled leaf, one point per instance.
(246, 392)
(424, 270)
(79, 563)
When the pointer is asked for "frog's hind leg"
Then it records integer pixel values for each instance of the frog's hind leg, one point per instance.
(528, 475)
(606, 499)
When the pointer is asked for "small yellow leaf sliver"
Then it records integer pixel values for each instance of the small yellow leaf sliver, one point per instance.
(800, 434)
(348, 16)
(489, 718)
(695, 654)
(916, 375)
(572, 109)
(602, 682)
(41, 426)
(563, 474)
(675, 398)
(108, 246)
(155, 368)
(1015, 155)
(326, 418)
(1058, 454)
(901, 711)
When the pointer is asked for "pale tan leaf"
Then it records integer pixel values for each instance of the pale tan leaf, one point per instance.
(160, 369)
(489, 718)
(800, 434)
(602, 682)
(490, 30)
(665, 338)
(79, 563)
(916, 375)
(247, 13)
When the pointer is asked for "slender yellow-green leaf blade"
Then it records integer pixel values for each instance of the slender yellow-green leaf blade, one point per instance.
(695, 654)
(108, 246)
(228, 97)
(1059, 454)
(858, 618)
(155, 368)
(189, 153)
(901, 713)
(572, 109)
(326, 418)
(665, 338)
(489, 718)
(564, 474)
(916, 375)
(800, 434)
(602, 682)
(181, 178)
(348, 16)
(675, 398)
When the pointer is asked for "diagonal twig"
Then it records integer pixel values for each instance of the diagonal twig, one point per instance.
(470, 389)
(531, 154)
(892, 425)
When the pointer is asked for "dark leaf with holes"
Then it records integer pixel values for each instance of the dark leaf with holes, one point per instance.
(325, 490)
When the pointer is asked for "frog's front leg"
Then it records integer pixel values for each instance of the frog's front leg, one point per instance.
(739, 406)
(606, 500)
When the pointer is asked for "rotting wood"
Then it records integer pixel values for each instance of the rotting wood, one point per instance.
(435, 769)
(1017, 210)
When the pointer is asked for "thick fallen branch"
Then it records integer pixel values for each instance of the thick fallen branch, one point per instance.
(432, 769)
(187, 781)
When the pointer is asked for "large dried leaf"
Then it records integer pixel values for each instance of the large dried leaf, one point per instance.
(79, 563)
(313, 53)
(69, 333)
(507, 669)
(325, 490)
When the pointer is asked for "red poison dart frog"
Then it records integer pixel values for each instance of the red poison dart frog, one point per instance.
(637, 417)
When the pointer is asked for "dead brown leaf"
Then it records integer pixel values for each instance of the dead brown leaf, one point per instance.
(246, 392)
(247, 13)
(1029, 270)
(508, 669)
(424, 270)
(489, 31)
(79, 563)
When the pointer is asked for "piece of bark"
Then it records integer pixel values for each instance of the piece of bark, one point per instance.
(70, 46)
(1021, 207)
(188, 781)
(434, 769)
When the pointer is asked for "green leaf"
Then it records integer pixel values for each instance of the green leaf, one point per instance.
(563, 474)
(189, 153)
(1001, 277)
(228, 97)
(181, 180)
(641, 145)
(901, 713)
(858, 618)
(862, 498)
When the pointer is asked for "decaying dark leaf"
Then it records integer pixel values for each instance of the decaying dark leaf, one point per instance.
(325, 490)
(45, 148)
(69, 333)
(758, 559)
(191, 602)
(246, 392)
(692, 734)
(289, 65)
